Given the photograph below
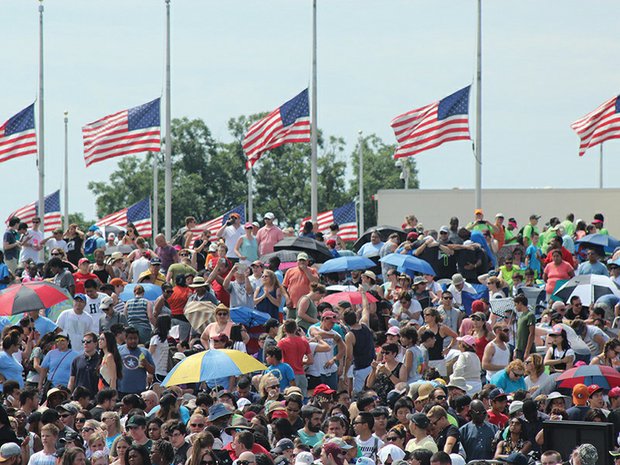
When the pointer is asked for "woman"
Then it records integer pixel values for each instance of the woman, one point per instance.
(202, 443)
(388, 373)
(159, 348)
(246, 247)
(609, 356)
(141, 250)
(206, 457)
(131, 235)
(387, 289)
(112, 421)
(510, 379)
(414, 359)
(535, 371)
(308, 230)
(269, 389)
(36, 358)
(397, 436)
(119, 447)
(100, 269)
(237, 339)
(74, 456)
(75, 244)
(556, 270)
(179, 297)
(221, 325)
(137, 455)
(467, 364)
(496, 288)
(139, 312)
(161, 306)
(268, 297)
(596, 415)
(559, 357)
(406, 308)
(111, 369)
(307, 313)
(480, 331)
(169, 408)
(437, 353)
(515, 442)
(421, 293)
(153, 428)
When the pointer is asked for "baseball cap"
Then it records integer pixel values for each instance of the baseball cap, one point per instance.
(282, 445)
(364, 461)
(557, 329)
(136, 420)
(304, 458)
(83, 260)
(593, 388)
(444, 229)
(468, 340)
(478, 211)
(515, 406)
(534, 217)
(323, 389)
(580, 394)
(457, 278)
(106, 302)
(302, 256)
(496, 394)
(94, 227)
(393, 330)
(270, 216)
(328, 314)
(79, 296)
(117, 282)
(9, 450)
(340, 443)
(499, 215)
(248, 225)
(614, 392)
(68, 407)
(477, 306)
(517, 458)
(234, 215)
(419, 419)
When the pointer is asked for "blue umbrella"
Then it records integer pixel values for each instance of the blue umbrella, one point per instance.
(336, 265)
(248, 316)
(404, 263)
(151, 292)
(609, 243)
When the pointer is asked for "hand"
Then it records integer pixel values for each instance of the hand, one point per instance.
(329, 363)
(374, 364)
(242, 257)
(446, 351)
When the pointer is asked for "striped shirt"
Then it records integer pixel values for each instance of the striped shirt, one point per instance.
(136, 313)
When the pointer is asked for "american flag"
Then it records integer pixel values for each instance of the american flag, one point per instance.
(432, 125)
(216, 223)
(139, 214)
(345, 217)
(287, 124)
(17, 135)
(599, 125)
(129, 131)
(52, 218)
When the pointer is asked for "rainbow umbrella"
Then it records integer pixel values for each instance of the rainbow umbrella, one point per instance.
(210, 365)
(604, 376)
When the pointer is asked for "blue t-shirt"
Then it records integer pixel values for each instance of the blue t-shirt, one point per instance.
(182, 410)
(58, 366)
(134, 376)
(589, 268)
(4, 273)
(44, 325)
(530, 252)
(10, 369)
(503, 381)
(4, 321)
(283, 372)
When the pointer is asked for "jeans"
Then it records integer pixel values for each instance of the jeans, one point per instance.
(302, 383)
(331, 380)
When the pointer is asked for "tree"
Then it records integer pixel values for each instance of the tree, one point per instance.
(78, 218)
(379, 173)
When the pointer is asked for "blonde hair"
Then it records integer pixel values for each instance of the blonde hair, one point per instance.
(517, 365)
(264, 381)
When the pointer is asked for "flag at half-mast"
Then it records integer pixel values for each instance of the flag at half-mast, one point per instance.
(287, 124)
(599, 125)
(216, 223)
(139, 214)
(17, 135)
(127, 132)
(433, 125)
(345, 217)
(52, 218)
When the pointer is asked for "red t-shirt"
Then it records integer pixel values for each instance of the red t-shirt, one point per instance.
(497, 419)
(80, 279)
(293, 350)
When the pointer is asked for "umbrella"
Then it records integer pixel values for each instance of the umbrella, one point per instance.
(248, 316)
(124, 249)
(33, 295)
(589, 287)
(317, 250)
(212, 364)
(354, 298)
(151, 292)
(340, 288)
(609, 243)
(604, 376)
(113, 229)
(383, 230)
(199, 314)
(405, 263)
(285, 256)
(336, 265)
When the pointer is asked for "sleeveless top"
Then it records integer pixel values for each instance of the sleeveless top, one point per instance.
(136, 313)
(363, 349)
(249, 249)
(500, 357)
(311, 311)
(267, 306)
(383, 384)
(103, 275)
(424, 298)
(436, 352)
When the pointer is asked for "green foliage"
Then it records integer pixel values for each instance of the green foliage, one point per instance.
(78, 218)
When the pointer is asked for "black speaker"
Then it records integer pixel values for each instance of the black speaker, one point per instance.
(564, 436)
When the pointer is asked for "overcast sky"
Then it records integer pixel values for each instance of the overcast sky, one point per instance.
(545, 64)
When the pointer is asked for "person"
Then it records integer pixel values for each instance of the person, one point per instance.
(445, 434)
(419, 427)
(167, 253)
(269, 235)
(111, 369)
(385, 375)
(11, 245)
(477, 435)
(367, 442)
(46, 456)
(359, 343)
(153, 275)
(84, 367)
(76, 323)
(526, 327)
(238, 286)
(184, 267)
(75, 243)
(137, 362)
(110, 315)
(231, 231)
(296, 352)
(536, 374)
(159, 348)
(372, 248)
(268, 296)
(329, 362)
(580, 407)
(559, 356)
(584, 454)
(311, 434)
(297, 283)
(56, 365)
(609, 355)
(437, 352)
(221, 325)
(139, 312)
(511, 378)
(10, 368)
(162, 453)
(467, 364)
(592, 265)
(556, 270)
(496, 353)
(246, 247)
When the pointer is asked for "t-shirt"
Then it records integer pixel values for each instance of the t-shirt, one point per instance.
(556, 272)
(267, 238)
(525, 321)
(283, 372)
(231, 235)
(297, 283)
(370, 446)
(239, 296)
(134, 376)
(92, 306)
(161, 355)
(106, 323)
(80, 278)
(86, 371)
(76, 326)
(44, 325)
(427, 443)
(592, 268)
(10, 369)
(74, 249)
(41, 458)
(503, 381)
(4, 273)
(167, 254)
(369, 249)
(28, 251)
(177, 269)
(58, 366)
(293, 350)
(53, 243)
(442, 437)
(308, 440)
(9, 238)
(528, 230)
(533, 252)
(64, 279)
(497, 419)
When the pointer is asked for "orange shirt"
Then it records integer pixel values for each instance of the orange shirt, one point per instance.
(297, 283)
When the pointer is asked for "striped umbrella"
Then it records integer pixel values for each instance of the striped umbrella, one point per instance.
(604, 376)
(33, 295)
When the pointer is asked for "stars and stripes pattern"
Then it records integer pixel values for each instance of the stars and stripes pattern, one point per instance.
(345, 217)
(139, 214)
(216, 223)
(287, 124)
(432, 125)
(599, 125)
(127, 132)
(17, 135)
(52, 218)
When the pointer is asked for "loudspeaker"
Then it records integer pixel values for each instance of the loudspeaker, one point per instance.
(564, 436)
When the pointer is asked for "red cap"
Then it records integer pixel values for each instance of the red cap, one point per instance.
(323, 389)
(614, 392)
(249, 415)
(280, 413)
(331, 243)
(83, 260)
(412, 236)
(592, 388)
(328, 314)
(477, 306)
(596, 221)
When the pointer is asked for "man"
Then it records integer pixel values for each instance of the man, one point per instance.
(381, 416)
(594, 337)
(202, 292)
(137, 362)
(176, 434)
(49, 436)
(243, 441)
(526, 327)
(599, 223)
(183, 267)
(445, 434)
(477, 435)
(184, 235)
(360, 352)
(495, 414)
(166, 252)
(231, 231)
(110, 316)
(29, 401)
(576, 309)
(281, 370)
(592, 265)
(75, 323)
(284, 447)
(85, 367)
(585, 454)
(580, 403)
(56, 365)
(479, 223)
(55, 241)
(153, 275)
(151, 400)
(248, 458)
(297, 283)
(368, 443)
(453, 234)
(330, 363)
(82, 275)
(239, 288)
(294, 349)
(93, 300)
(105, 402)
(497, 353)
(269, 235)
(43, 325)
(136, 425)
(311, 434)
(11, 244)
(499, 234)
(529, 229)
(67, 412)
(139, 266)
(551, 457)
(11, 454)
(459, 286)
(597, 399)
(372, 248)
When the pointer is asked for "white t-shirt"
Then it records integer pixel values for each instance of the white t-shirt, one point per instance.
(92, 306)
(231, 235)
(370, 447)
(161, 355)
(415, 307)
(76, 326)
(56, 244)
(138, 267)
(28, 251)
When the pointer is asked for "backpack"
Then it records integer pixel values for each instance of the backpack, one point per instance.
(179, 237)
(90, 245)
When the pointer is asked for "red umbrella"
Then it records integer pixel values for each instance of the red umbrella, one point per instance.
(34, 295)
(354, 298)
(604, 376)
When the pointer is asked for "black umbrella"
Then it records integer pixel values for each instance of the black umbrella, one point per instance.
(113, 229)
(285, 256)
(124, 249)
(383, 230)
(317, 250)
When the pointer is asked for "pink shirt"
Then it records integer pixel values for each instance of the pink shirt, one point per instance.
(556, 272)
(267, 238)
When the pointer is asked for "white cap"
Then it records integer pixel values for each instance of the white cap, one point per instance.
(304, 458)
(270, 216)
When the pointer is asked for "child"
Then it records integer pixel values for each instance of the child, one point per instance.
(533, 255)
(275, 366)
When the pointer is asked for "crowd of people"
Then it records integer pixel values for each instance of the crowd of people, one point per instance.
(404, 368)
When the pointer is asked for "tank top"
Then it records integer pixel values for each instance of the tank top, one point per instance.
(363, 349)
(435, 352)
(501, 357)
(136, 313)
(249, 249)
(311, 311)
(267, 306)
(103, 275)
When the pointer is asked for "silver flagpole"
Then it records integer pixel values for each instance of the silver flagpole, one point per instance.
(41, 135)
(479, 110)
(168, 163)
(314, 208)
(600, 167)
(361, 184)
(66, 219)
(155, 196)
(250, 199)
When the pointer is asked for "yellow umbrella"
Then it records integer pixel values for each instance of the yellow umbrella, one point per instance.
(212, 364)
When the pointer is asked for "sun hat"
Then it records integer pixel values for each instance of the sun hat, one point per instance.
(467, 340)
(459, 383)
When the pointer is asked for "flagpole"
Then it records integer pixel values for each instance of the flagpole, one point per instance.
(66, 218)
(600, 167)
(168, 162)
(41, 158)
(250, 199)
(314, 208)
(155, 196)
(479, 109)
(361, 184)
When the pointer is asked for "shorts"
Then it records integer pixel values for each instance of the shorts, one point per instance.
(313, 381)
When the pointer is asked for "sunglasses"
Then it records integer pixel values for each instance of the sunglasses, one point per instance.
(222, 314)
(475, 318)
(197, 425)
(87, 341)
(447, 297)
(391, 438)
(517, 374)
(440, 397)
(275, 386)
(55, 254)
(65, 415)
(88, 428)
(245, 462)
(183, 255)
